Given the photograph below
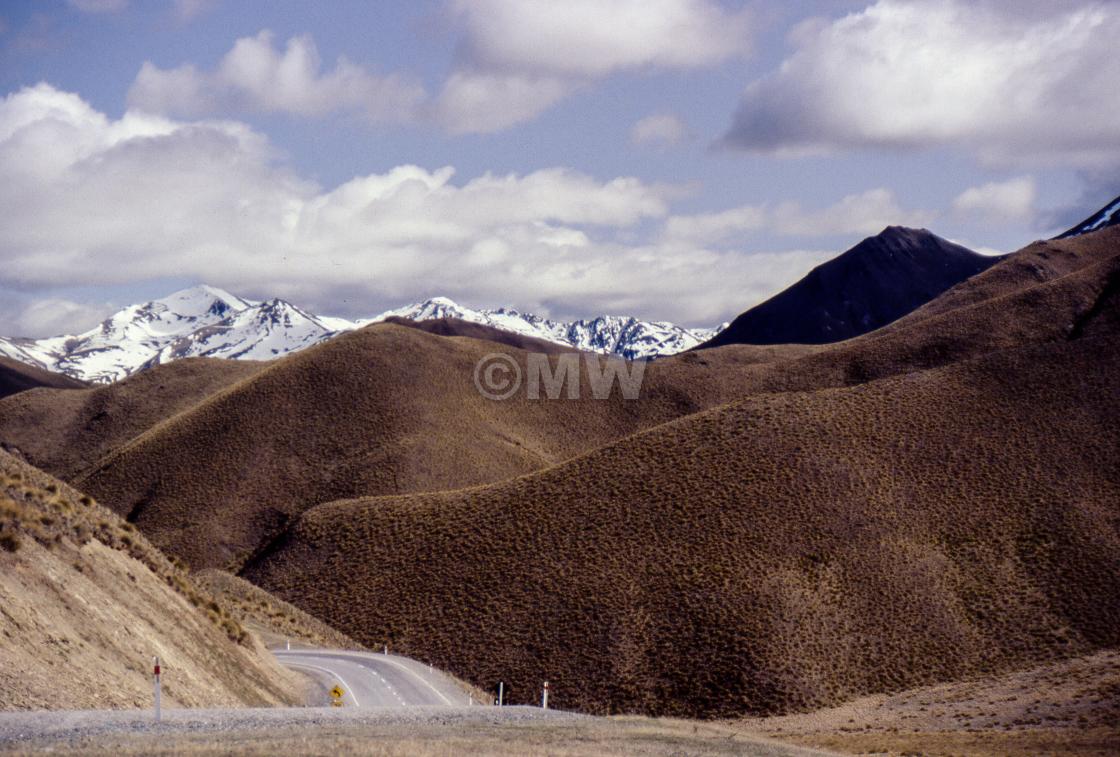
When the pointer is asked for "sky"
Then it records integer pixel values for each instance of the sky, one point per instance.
(674, 160)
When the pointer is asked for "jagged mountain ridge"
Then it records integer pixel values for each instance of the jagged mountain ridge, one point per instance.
(206, 321)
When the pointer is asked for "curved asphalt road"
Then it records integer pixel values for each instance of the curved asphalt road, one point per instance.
(375, 680)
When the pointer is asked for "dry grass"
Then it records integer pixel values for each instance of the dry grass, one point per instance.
(66, 432)
(385, 410)
(19, 377)
(1070, 707)
(84, 592)
(781, 553)
(35, 506)
(934, 500)
(446, 736)
(273, 619)
(213, 460)
(791, 550)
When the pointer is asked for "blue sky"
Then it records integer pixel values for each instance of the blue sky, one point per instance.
(670, 159)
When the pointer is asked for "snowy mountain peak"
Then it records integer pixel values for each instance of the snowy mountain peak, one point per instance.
(205, 321)
(199, 301)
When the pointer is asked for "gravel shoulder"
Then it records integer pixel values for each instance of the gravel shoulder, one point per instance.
(390, 731)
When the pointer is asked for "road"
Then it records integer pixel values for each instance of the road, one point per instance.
(376, 680)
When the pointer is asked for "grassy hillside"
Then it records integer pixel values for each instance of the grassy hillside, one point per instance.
(385, 410)
(65, 432)
(1069, 707)
(87, 602)
(18, 377)
(780, 553)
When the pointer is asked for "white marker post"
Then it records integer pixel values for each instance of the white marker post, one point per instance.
(386, 649)
(501, 693)
(544, 697)
(288, 644)
(155, 684)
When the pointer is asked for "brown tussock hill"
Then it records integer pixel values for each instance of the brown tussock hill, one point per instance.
(780, 553)
(18, 377)
(1069, 707)
(87, 601)
(383, 410)
(67, 432)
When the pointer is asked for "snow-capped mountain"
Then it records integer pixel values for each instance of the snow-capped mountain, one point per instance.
(205, 321)
(128, 339)
(261, 331)
(611, 335)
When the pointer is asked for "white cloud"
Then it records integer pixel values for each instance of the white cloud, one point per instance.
(92, 201)
(519, 57)
(474, 101)
(256, 76)
(1018, 84)
(708, 228)
(865, 213)
(98, 6)
(590, 38)
(999, 200)
(51, 316)
(659, 129)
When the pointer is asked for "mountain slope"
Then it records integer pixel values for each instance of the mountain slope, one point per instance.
(19, 377)
(382, 410)
(87, 601)
(874, 283)
(782, 552)
(931, 501)
(260, 332)
(1107, 216)
(66, 432)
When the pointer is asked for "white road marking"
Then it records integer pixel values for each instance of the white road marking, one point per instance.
(359, 658)
(328, 672)
(405, 668)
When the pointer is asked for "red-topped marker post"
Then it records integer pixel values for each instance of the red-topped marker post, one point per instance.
(155, 684)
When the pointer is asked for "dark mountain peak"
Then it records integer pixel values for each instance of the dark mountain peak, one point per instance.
(903, 245)
(877, 281)
(903, 233)
(1107, 216)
